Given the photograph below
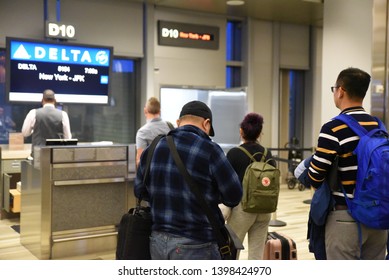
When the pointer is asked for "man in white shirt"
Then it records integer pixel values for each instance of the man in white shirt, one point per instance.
(47, 122)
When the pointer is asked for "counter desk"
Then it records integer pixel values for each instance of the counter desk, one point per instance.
(10, 167)
(72, 199)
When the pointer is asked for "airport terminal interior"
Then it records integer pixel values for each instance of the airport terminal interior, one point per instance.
(104, 59)
(290, 219)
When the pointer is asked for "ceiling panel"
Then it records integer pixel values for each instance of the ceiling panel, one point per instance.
(308, 12)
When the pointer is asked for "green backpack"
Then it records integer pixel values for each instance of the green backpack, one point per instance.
(261, 185)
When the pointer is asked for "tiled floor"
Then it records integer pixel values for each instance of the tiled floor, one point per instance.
(291, 210)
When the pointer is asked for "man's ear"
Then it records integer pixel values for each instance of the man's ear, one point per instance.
(207, 125)
(340, 92)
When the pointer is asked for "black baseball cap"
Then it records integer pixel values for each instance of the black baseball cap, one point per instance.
(200, 109)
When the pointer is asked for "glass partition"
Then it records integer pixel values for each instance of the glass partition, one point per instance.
(228, 106)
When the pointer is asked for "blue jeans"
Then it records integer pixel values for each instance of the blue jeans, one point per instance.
(167, 246)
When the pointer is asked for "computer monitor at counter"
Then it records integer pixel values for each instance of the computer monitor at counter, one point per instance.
(61, 142)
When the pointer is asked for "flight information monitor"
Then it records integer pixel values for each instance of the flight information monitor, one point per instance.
(77, 73)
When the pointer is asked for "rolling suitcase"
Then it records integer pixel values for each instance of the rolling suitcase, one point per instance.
(279, 247)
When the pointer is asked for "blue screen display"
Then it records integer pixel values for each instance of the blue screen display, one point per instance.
(77, 73)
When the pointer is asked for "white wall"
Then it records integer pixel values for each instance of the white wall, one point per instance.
(347, 42)
(117, 23)
(178, 66)
(260, 76)
(294, 46)
(273, 46)
(314, 102)
(190, 66)
(21, 18)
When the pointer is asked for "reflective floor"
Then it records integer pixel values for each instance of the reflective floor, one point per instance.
(291, 210)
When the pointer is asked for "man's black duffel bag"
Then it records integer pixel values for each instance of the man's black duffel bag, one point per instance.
(133, 235)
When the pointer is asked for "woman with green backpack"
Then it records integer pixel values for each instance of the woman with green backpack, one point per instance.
(255, 224)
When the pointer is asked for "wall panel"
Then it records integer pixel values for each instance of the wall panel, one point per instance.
(117, 23)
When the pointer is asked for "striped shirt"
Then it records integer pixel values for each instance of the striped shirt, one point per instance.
(174, 208)
(336, 138)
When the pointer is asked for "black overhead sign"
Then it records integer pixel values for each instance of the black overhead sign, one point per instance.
(60, 30)
(188, 35)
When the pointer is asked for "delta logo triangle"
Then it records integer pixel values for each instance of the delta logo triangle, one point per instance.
(21, 53)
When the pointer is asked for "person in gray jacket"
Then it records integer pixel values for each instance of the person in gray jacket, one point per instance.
(154, 126)
(47, 122)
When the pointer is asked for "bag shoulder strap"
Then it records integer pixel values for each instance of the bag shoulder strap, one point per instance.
(252, 157)
(150, 153)
(170, 125)
(194, 188)
(356, 127)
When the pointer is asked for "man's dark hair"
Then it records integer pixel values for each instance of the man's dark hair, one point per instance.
(354, 81)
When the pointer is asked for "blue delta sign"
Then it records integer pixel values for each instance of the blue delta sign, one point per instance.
(78, 73)
(42, 52)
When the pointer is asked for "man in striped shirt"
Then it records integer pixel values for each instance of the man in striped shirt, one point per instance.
(336, 139)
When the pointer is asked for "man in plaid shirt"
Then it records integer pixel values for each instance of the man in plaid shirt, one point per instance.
(181, 229)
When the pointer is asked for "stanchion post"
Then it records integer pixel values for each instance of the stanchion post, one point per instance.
(308, 201)
(274, 222)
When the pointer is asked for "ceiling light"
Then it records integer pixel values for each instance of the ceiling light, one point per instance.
(235, 2)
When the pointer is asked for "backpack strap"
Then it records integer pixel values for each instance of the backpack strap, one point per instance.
(356, 127)
(263, 155)
(252, 157)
